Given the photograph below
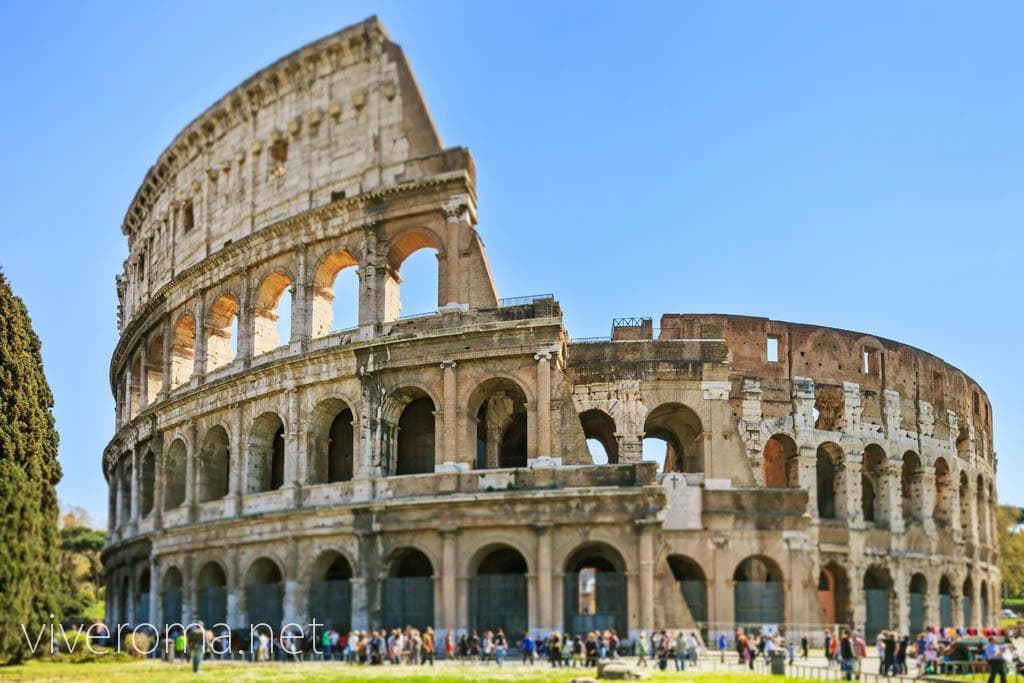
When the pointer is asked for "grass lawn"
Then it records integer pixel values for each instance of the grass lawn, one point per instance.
(108, 672)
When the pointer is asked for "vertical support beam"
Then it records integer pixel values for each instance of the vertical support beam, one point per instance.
(807, 474)
(543, 359)
(158, 483)
(292, 448)
(301, 304)
(450, 453)
(235, 608)
(143, 381)
(293, 612)
(202, 334)
(191, 474)
(236, 466)
(853, 493)
(166, 361)
(449, 573)
(246, 342)
(892, 489)
(155, 617)
(136, 480)
(645, 551)
(545, 605)
(901, 596)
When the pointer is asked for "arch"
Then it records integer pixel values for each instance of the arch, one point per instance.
(154, 368)
(912, 488)
(265, 454)
(214, 464)
(330, 591)
(877, 589)
(830, 467)
(499, 430)
(413, 434)
(918, 596)
(174, 471)
(183, 350)
(834, 593)
(595, 596)
(943, 493)
(402, 247)
(758, 592)
(142, 588)
(212, 594)
(983, 599)
(873, 507)
(326, 282)
(945, 601)
(264, 593)
(781, 465)
(409, 590)
(498, 595)
(221, 332)
(691, 583)
(147, 482)
(680, 429)
(967, 601)
(599, 431)
(267, 334)
(332, 445)
(170, 595)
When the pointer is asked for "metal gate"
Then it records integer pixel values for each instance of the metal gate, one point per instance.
(213, 605)
(757, 603)
(696, 596)
(916, 614)
(330, 603)
(409, 602)
(610, 603)
(945, 609)
(499, 601)
(967, 610)
(171, 606)
(142, 608)
(263, 604)
(877, 600)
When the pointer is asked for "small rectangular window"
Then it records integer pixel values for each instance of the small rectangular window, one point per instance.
(188, 217)
(337, 195)
(142, 267)
(773, 349)
(872, 364)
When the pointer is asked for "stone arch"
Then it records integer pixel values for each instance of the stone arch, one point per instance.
(212, 593)
(410, 432)
(183, 350)
(943, 493)
(834, 593)
(878, 587)
(214, 464)
(174, 471)
(332, 442)
(781, 463)
(265, 457)
(171, 592)
(154, 368)
(758, 594)
(830, 469)
(918, 598)
(912, 488)
(330, 590)
(945, 601)
(599, 428)
(967, 601)
(264, 593)
(691, 584)
(595, 595)
(325, 280)
(269, 294)
(499, 427)
(147, 483)
(873, 479)
(222, 332)
(498, 594)
(402, 246)
(409, 589)
(680, 428)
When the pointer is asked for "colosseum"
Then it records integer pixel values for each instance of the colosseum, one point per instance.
(475, 466)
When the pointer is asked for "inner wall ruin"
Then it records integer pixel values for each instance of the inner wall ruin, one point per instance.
(437, 469)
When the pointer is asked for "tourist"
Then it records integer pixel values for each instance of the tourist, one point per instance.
(555, 650)
(847, 656)
(828, 648)
(500, 647)
(722, 644)
(860, 651)
(996, 662)
(901, 655)
(198, 639)
(679, 651)
(888, 653)
(642, 650)
(593, 648)
(692, 648)
(662, 650)
(529, 648)
(576, 654)
(428, 646)
(804, 647)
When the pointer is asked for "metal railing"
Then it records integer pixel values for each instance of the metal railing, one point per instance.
(524, 300)
(630, 322)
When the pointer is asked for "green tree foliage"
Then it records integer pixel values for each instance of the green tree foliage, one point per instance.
(29, 543)
(1011, 549)
(81, 572)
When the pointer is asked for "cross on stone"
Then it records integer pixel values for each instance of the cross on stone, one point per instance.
(674, 479)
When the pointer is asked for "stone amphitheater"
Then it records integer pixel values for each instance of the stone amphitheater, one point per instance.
(476, 466)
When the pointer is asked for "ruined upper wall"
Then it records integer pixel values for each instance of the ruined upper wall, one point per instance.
(337, 118)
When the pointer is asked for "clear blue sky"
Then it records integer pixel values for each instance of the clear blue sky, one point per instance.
(849, 164)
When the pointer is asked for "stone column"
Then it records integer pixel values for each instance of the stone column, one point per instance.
(545, 600)
(928, 500)
(155, 617)
(158, 481)
(543, 359)
(808, 477)
(449, 572)
(901, 596)
(852, 493)
(972, 513)
(188, 593)
(136, 489)
(245, 345)
(199, 361)
(165, 387)
(301, 304)
(892, 489)
(450, 453)
(144, 376)
(235, 609)
(292, 612)
(292, 449)
(191, 475)
(645, 553)
(236, 467)
(130, 405)
(455, 211)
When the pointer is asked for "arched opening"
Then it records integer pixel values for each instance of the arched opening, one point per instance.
(834, 594)
(829, 468)
(212, 607)
(154, 368)
(692, 585)
(330, 591)
(498, 593)
(965, 506)
(170, 596)
(595, 594)
(335, 294)
(945, 602)
(414, 452)
(126, 493)
(273, 313)
(757, 593)
(265, 458)
(409, 590)
(142, 588)
(674, 438)
(183, 351)
(174, 475)
(599, 431)
(147, 483)
(781, 465)
(918, 593)
(214, 465)
(877, 590)
(912, 488)
(222, 332)
(264, 592)
(872, 482)
(332, 442)
(983, 598)
(500, 429)
(412, 282)
(943, 493)
(967, 602)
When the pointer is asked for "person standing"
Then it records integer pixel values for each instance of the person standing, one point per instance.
(722, 644)
(847, 655)
(804, 647)
(197, 641)
(679, 650)
(500, 647)
(996, 663)
(529, 648)
(642, 650)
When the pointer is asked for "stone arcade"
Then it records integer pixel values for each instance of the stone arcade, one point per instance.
(437, 469)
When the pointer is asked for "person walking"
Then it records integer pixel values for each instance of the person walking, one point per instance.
(996, 662)
(500, 647)
(555, 650)
(722, 644)
(679, 651)
(846, 655)
(197, 642)
(642, 650)
(529, 648)
(804, 647)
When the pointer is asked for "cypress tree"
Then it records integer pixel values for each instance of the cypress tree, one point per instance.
(29, 472)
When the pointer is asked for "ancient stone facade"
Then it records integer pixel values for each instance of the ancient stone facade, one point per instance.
(438, 469)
